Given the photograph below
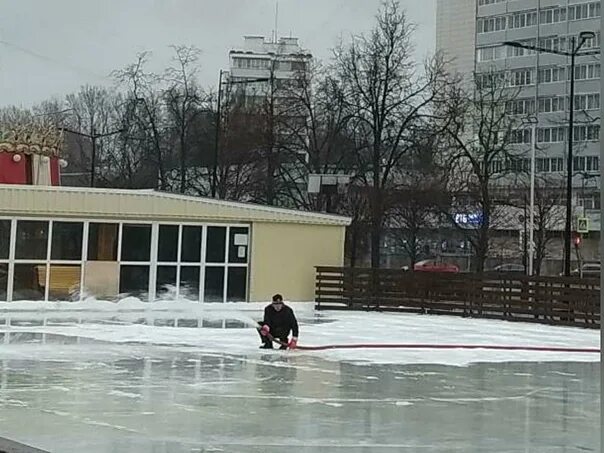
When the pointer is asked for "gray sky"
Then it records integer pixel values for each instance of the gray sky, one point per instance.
(51, 47)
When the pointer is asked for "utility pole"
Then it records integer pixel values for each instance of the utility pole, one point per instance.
(270, 173)
(217, 139)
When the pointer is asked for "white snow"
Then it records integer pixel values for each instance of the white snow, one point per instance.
(343, 328)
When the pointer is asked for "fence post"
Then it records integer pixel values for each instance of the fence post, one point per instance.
(317, 288)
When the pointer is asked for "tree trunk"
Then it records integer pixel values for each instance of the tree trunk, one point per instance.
(376, 227)
(482, 249)
(352, 243)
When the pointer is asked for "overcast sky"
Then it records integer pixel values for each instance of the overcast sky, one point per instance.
(51, 47)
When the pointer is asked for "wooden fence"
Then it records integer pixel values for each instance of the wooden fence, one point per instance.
(566, 301)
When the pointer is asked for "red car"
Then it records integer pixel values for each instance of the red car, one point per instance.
(435, 266)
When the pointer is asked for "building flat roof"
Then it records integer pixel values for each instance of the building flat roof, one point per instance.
(28, 200)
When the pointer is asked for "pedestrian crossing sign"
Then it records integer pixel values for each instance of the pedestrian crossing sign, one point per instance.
(583, 225)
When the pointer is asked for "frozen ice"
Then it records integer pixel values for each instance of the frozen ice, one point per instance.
(113, 382)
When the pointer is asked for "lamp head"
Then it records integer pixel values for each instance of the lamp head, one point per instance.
(585, 35)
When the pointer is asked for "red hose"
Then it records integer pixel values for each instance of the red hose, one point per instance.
(447, 346)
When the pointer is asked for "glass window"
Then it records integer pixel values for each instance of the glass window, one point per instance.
(66, 241)
(102, 241)
(136, 242)
(214, 284)
(237, 284)
(238, 245)
(29, 281)
(134, 281)
(191, 244)
(166, 280)
(189, 282)
(3, 281)
(215, 244)
(32, 240)
(4, 239)
(64, 282)
(167, 247)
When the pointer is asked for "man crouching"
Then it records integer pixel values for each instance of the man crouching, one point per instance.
(279, 320)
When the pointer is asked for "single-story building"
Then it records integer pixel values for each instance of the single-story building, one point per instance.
(68, 243)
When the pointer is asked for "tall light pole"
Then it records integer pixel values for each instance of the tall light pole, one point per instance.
(533, 121)
(573, 53)
(214, 183)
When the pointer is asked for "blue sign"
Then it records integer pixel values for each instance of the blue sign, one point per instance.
(474, 219)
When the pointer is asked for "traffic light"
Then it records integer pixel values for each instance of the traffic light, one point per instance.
(578, 240)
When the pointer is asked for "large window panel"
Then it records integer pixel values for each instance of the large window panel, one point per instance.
(238, 245)
(191, 244)
(166, 280)
(4, 239)
(215, 244)
(189, 282)
(134, 280)
(3, 281)
(29, 281)
(64, 282)
(136, 242)
(237, 284)
(32, 240)
(167, 247)
(66, 241)
(214, 284)
(102, 241)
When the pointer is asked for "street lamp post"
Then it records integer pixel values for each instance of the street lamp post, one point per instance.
(531, 225)
(573, 53)
(214, 183)
(93, 136)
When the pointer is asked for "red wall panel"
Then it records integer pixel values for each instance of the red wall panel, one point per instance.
(55, 178)
(12, 172)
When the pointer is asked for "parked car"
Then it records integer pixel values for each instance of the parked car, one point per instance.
(510, 267)
(435, 266)
(589, 270)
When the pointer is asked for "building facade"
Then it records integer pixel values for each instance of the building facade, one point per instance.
(455, 33)
(60, 243)
(276, 61)
(540, 81)
(543, 80)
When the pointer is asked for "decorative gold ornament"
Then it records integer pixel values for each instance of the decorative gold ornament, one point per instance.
(31, 138)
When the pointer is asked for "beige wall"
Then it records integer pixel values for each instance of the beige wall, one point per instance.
(284, 257)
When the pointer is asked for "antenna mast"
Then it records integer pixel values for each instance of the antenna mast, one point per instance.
(276, 21)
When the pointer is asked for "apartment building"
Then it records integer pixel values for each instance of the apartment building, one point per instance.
(542, 80)
(455, 33)
(274, 62)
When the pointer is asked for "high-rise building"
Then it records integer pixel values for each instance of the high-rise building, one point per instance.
(455, 33)
(542, 80)
(276, 61)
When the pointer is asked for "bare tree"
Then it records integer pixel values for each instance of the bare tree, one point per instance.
(146, 115)
(549, 216)
(388, 96)
(184, 102)
(91, 114)
(482, 154)
(314, 137)
(415, 203)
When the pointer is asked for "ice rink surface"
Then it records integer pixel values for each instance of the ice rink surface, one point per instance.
(110, 384)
